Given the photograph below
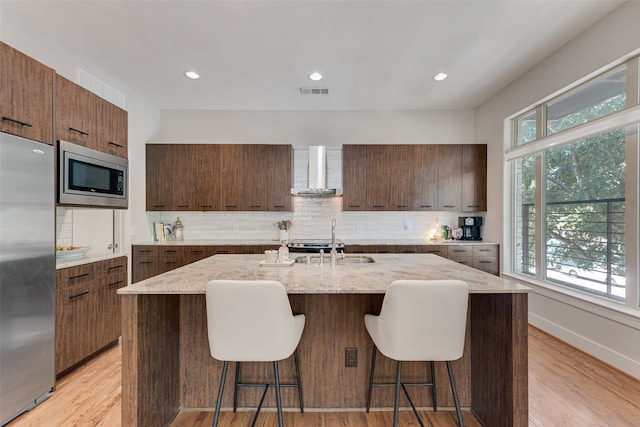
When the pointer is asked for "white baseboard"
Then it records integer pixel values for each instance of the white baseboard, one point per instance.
(607, 355)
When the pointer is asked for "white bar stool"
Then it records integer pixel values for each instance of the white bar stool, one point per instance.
(251, 321)
(420, 320)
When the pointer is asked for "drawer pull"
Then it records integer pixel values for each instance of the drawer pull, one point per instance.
(81, 132)
(183, 206)
(193, 251)
(354, 206)
(278, 206)
(79, 276)
(117, 145)
(473, 206)
(449, 206)
(378, 206)
(72, 297)
(116, 283)
(486, 262)
(148, 251)
(403, 206)
(145, 262)
(255, 206)
(208, 206)
(459, 250)
(158, 206)
(20, 122)
(426, 206)
(230, 206)
(170, 251)
(115, 267)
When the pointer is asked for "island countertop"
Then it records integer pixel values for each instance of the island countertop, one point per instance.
(300, 278)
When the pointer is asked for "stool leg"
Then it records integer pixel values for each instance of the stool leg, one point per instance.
(235, 388)
(278, 400)
(373, 367)
(433, 387)
(396, 404)
(455, 394)
(295, 359)
(225, 365)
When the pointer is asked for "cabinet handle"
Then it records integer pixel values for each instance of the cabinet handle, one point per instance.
(183, 206)
(278, 206)
(81, 132)
(145, 262)
(115, 267)
(354, 206)
(148, 251)
(449, 206)
(403, 206)
(484, 250)
(116, 283)
(426, 206)
(79, 276)
(210, 206)
(255, 206)
(158, 206)
(486, 262)
(117, 145)
(230, 206)
(459, 250)
(20, 122)
(473, 206)
(378, 206)
(196, 252)
(72, 297)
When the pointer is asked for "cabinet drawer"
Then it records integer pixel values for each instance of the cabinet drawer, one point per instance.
(486, 264)
(485, 250)
(112, 267)
(72, 276)
(144, 250)
(460, 251)
(466, 260)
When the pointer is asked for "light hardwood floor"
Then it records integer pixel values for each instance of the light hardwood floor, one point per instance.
(566, 388)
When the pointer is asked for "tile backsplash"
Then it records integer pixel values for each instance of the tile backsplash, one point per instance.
(311, 219)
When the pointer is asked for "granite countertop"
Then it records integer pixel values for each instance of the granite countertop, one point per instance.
(301, 278)
(346, 242)
(87, 259)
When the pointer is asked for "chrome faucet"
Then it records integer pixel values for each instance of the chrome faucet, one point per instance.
(333, 253)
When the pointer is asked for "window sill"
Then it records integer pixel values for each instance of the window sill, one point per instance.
(612, 310)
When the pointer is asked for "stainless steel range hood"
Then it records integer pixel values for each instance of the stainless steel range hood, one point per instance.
(317, 175)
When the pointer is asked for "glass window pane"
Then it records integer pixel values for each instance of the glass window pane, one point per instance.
(525, 127)
(595, 99)
(525, 193)
(585, 204)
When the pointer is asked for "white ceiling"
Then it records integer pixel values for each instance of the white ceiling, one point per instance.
(255, 55)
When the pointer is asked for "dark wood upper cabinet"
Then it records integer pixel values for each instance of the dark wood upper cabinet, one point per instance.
(354, 177)
(426, 177)
(26, 96)
(75, 114)
(84, 118)
(210, 177)
(474, 178)
(414, 177)
(449, 177)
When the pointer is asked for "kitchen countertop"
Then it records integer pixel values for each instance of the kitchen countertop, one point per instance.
(346, 242)
(73, 262)
(300, 278)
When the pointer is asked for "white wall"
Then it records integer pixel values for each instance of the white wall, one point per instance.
(610, 334)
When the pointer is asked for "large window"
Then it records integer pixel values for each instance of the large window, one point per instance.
(572, 189)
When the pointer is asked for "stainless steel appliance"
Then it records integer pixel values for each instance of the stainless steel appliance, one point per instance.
(313, 246)
(470, 227)
(27, 274)
(88, 177)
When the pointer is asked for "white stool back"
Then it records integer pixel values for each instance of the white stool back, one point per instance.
(251, 321)
(421, 320)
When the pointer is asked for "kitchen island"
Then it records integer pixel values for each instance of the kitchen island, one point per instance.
(167, 366)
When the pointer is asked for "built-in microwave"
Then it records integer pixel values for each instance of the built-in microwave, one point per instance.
(88, 177)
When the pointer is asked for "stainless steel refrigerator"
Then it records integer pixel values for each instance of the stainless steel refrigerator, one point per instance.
(27, 274)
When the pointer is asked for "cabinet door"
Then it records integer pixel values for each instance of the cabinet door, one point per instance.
(381, 160)
(449, 182)
(354, 177)
(231, 176)
(76, 110)
(26, 96)
(158, 182)
(112, 128)
(206, 177)
(112, 275)
(257, 172)
(426, 177)
(401, 174)
(474, 177)
(279, 166)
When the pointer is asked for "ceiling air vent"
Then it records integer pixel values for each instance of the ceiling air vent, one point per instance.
(314, 91)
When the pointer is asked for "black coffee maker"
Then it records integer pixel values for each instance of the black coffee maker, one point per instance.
(470, 226)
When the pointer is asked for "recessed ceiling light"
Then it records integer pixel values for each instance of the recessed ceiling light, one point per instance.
(440, 77)
(192, 75)
(315, 76)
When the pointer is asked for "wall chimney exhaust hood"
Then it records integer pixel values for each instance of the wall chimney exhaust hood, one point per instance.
(317, 175)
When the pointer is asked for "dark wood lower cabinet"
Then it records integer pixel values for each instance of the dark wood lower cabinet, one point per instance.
(87, 310)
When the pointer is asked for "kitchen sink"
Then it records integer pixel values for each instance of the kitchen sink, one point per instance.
(346, 259)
